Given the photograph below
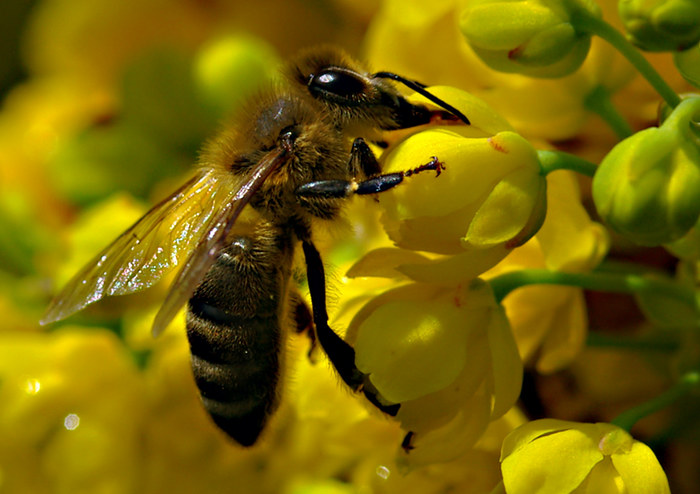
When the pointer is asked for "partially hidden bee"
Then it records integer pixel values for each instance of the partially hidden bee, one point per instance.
(294, 153)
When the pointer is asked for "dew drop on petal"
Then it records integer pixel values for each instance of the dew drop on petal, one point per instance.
(383, 472)
(71, 422)
(32, 386)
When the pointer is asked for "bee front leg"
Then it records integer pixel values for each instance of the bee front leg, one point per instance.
(338, 189)
(340, 353)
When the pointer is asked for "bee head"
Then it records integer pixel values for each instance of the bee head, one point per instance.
(355, 97)
(350, 94)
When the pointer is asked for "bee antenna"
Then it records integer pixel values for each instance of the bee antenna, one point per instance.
(420, 89)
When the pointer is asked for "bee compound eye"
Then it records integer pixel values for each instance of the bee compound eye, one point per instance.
(336, 82)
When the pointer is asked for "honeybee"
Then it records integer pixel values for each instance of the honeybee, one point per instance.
(293, 154)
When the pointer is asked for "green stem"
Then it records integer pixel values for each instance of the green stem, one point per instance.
(644, 343)
(585, 22)
(598, 101)
(559, 160)
(505, 283)
(627, 419)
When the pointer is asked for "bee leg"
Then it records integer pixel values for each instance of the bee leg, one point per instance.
(341, 354)
(362, 160)
(407, 443)
(344, 188)
(303, 321)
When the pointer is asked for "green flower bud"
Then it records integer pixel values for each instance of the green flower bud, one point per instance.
(531, 37)
(666, 311)
(648, 187)
(687, 247)
(688, 64)
(661, 25)
(229, 70)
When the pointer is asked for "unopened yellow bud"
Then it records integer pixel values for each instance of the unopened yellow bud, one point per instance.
(489, 198)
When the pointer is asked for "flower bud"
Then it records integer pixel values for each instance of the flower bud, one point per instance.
(648, 187)
(551, 455)
(531, 37)
(688, 64)
(489, 198)
(231, 69)
(688, 246)
(443, 353)
(661, 25)
(666, 311)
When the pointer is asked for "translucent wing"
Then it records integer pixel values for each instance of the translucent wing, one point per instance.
(207, 249)
(196, 219)
(144, 253)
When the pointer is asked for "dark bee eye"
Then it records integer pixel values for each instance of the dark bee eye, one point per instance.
(336, 82)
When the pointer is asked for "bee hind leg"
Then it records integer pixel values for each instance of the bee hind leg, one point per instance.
(303, 321)
(341, 354)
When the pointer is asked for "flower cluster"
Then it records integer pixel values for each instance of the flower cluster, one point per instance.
(527, 307)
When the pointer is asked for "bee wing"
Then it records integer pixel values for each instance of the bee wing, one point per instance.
(144, 253)
(208, 247)
(196, 218)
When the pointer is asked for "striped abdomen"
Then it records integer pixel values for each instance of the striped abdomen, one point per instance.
(234, 326)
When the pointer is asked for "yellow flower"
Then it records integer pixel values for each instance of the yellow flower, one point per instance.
(424, 30)
(549, 322)
(64, 394)
(542, 108)
(489, 198)
(446, 354)
(556, 456)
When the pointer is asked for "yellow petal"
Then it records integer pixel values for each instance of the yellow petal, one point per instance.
(411, 345)
(567, 337)
(568, 238)
(529, 432)
(640, 471)
(454, 269)
(435, 409)
(507, 366)
(551, 464)
(603, 479)
(454, 438)
(383, 262)
(510, 204)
